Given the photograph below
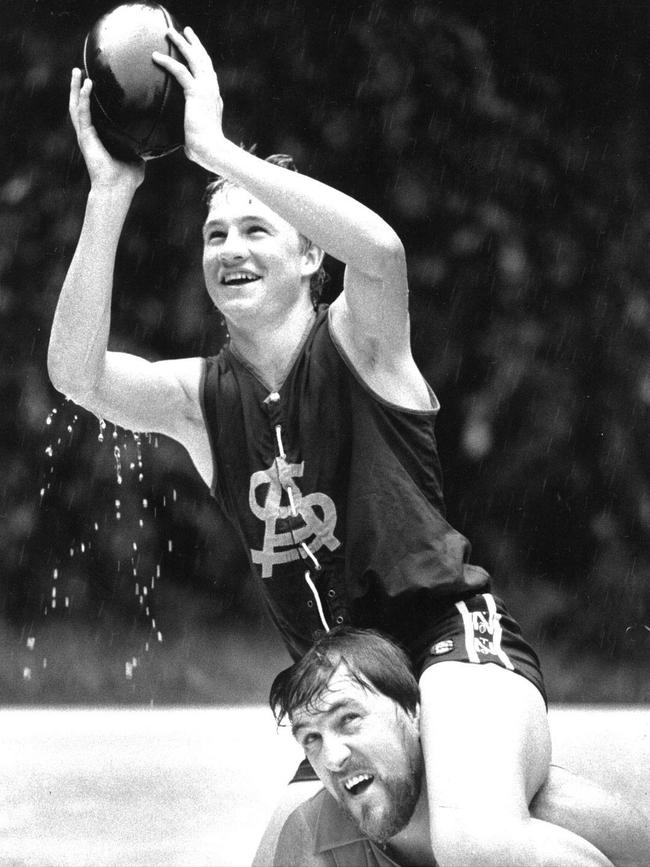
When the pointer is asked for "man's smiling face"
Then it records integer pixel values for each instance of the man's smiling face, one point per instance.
(366, 751)
(253, 260)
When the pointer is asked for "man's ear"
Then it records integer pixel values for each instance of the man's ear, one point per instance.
(312, 259)
(416, 717)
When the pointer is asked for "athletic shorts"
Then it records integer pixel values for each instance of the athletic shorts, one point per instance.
(476, 630)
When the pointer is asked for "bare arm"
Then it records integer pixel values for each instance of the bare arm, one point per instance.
(370, 318)
(123, 388)
(336, 222)
(79, 337)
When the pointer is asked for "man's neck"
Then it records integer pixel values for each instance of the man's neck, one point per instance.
(413, 844)
(271, 349)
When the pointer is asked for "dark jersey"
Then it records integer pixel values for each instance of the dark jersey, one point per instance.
(336, 494)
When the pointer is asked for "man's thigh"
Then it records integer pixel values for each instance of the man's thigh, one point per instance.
(485, 737)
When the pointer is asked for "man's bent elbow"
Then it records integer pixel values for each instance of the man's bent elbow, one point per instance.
(388, 252)
(70, 390)
(391, 244)
(69, 382)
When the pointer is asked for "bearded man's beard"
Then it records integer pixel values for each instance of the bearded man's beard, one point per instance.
(379, 825)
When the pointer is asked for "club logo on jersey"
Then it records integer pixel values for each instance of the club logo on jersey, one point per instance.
(313, 522)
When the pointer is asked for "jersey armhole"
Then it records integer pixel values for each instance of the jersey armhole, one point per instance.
(435, 403)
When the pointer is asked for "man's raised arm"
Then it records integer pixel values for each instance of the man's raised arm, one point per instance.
(370, 318)
(125, 389)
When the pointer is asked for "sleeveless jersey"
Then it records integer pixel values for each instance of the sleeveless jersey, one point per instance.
(336, 495)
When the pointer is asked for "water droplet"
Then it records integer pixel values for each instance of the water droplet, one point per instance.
(27, 673)
(102, 428)
(117, 454)
(31, 642)
(49, 451)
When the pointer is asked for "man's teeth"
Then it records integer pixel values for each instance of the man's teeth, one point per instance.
(239, 277)
(353, 782)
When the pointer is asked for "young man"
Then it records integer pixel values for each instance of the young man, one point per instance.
(315, 431)
(353, 705)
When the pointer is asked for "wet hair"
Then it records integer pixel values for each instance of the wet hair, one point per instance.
(373, 661)
(285, 161)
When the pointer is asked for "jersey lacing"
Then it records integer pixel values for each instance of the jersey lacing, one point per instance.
(303, 548)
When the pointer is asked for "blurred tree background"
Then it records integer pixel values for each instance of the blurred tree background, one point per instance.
(506, 141)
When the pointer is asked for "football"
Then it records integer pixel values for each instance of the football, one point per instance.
(136, 106)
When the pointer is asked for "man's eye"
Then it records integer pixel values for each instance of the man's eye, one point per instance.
(253, 230)
(309, 741)
(350, 719)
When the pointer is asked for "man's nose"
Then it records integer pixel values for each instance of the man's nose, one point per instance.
(233, 248)
(335, 753)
